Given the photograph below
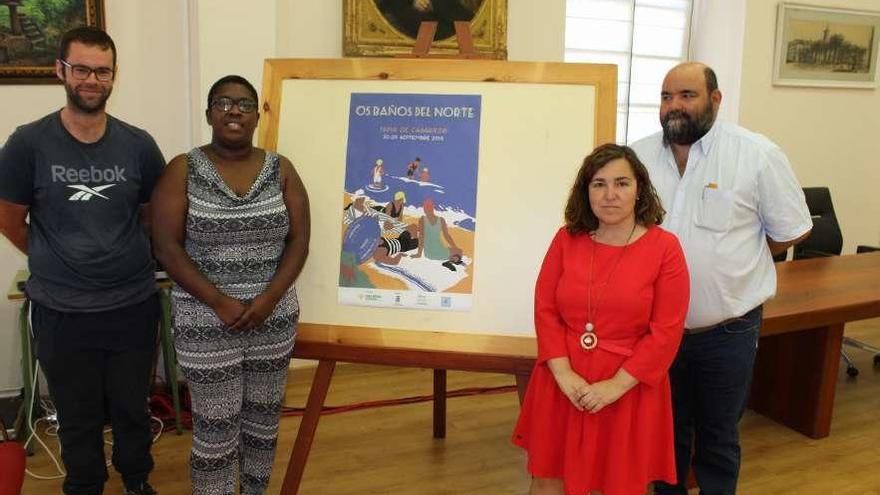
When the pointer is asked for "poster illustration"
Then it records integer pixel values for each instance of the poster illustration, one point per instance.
(408, 214)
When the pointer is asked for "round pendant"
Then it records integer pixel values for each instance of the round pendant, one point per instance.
(589, 340)
(589, 327)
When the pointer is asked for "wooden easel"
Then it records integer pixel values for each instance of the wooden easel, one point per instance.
(518, 365)
(329, 344)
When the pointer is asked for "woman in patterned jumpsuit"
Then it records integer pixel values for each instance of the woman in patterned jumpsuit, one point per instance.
(231, 228)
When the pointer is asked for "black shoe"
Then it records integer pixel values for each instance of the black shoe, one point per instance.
(142, 489)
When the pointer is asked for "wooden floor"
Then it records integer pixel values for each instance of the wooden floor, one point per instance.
(391, 451)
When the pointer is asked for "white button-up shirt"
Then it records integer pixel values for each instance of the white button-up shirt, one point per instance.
(737, 188)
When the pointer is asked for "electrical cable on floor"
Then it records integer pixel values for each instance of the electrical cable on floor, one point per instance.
(33, 434)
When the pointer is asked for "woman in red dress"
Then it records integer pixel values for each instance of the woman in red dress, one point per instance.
(610, 303)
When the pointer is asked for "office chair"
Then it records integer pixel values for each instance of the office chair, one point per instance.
(857, 343)
(824, 240)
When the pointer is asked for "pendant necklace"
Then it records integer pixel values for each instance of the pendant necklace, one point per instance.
(588, 339)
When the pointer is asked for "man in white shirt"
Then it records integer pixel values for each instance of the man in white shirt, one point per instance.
(733, 201)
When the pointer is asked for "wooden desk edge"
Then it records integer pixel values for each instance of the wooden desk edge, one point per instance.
(419, 358)
(14, 293)
(463, 351)
(776, 324)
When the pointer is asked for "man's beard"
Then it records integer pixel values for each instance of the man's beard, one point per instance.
(84, 105)
(680, 128)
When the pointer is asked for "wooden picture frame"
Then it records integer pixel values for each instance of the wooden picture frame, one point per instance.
(826, 47)
(538, 121)
(30, 33)
(385, 28)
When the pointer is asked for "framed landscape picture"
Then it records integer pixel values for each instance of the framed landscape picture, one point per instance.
(30, 31)
(377, 28)
(817, 46)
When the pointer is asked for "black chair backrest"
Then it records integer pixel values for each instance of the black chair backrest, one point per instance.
(825, 239)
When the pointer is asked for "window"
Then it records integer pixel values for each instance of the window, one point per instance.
(644, 38)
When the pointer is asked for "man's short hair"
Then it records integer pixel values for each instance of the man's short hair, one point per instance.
(711, 79)
(89, 36)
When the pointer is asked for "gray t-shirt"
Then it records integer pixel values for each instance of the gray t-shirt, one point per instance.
(87, 250)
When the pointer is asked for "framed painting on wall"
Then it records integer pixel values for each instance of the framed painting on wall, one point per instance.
(377, 28)
(818, 46)
(30, 31)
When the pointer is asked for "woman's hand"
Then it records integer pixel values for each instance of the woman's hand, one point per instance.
(570, 383)
(229, 310)
(256, 312)
(573, 386)
(606, 392)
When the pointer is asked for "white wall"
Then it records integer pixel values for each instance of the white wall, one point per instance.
(536, 30)
(308, 29)
(830, 135)
(233, 37)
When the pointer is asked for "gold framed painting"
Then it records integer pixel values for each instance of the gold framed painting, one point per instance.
(826, 47)
(30, 31)
(385, 28)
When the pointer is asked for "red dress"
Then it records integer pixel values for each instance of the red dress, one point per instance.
(638, 322)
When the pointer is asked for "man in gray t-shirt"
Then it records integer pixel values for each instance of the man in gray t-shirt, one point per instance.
(84, 178)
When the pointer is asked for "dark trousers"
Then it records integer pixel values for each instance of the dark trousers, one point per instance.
(98, 368)
(711, 377)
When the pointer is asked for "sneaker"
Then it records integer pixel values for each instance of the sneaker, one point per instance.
(142, 489)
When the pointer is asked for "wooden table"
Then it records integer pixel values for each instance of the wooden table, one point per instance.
(795, 371)
(799, 352)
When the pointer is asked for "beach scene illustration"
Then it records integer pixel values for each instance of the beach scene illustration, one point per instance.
(408, 215)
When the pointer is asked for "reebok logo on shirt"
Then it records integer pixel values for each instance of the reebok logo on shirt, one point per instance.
(60, 173)
(85, 193)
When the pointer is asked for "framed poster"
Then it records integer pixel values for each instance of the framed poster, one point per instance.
(501, 142)
(30, 32)
(377, 28)
(818, 46)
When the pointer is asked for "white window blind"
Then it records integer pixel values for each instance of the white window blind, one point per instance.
(644, 38)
